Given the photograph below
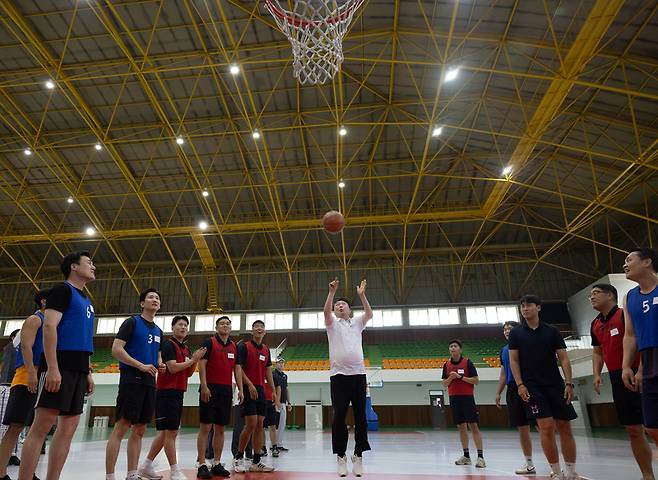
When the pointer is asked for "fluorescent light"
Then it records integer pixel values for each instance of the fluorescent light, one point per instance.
(50, 85)
(98, 147)
(27, 152)
(180, 140)
(203, 225)
(234, 69)
(437, 131)
(90, 231)
(341, 184)
(69, 200)
(256, 134)
(451, 74)
(507, 170)
(342, 132)
(205, 193)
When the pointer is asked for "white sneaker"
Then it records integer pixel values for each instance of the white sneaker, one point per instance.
(149, 473)
(463, 461)
(260, 467)
(357, 465)
(480, 463)
(238, 465)
(557, 476)
(575, 476)
(526, 470)
(178, 475)
(342, 466)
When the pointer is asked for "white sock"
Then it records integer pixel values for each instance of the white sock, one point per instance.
(528, 462)
(555, 467)
(109, 476)
(571, 468)
(215, 462)
(147, 462)
(132, 475)
(174, 467)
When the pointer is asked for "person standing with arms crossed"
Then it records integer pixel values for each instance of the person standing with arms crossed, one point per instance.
(348, 374)
(65, 369)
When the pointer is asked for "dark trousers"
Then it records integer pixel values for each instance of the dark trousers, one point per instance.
(238, 426)
(346, 389)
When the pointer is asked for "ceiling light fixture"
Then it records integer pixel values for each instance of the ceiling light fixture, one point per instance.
(50, 85)
(27, 152)
(342, 131)
(437, 131)
(69, 200)
(90, 231)
(341, 184)
(507, 170)
(256, 134)
(205, 193)
(234, 69)
(180, 140)
(98, 147)
(203, 225)
(451, 75)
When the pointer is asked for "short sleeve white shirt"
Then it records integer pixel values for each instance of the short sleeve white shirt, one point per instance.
(345, 346)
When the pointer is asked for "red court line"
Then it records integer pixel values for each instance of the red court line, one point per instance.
(280, 475)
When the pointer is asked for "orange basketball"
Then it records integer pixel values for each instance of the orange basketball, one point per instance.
(333, 222)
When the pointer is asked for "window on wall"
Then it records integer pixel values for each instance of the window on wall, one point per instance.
(11, 325)
(433, 316)
(164, 322)
(311, 320)
(206, 322)
(109, 325)
(273, 321)
(494, 314)
(383, 318)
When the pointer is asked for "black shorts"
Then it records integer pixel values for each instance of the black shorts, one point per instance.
(548, 401)
(20, 406)
(254, 407)
(515, 407)
(464, 409)
(271, 416)
(168, 409)
(70, 398)
(218, 410)
(627, 403)
(650, 402)
(135, 403)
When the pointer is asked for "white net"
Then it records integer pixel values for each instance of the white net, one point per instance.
(315, 29)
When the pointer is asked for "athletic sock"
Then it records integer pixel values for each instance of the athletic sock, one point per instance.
(147, 462)
(239, 456)
(132, 475)
(571, 468)
(555, 467)
(528, 462)
(256, 458)
(215, 462)
(467, 454)
(110, 476)
(174, 467)
(480, 454)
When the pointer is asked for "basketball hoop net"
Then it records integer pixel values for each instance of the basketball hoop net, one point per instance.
(315, 29)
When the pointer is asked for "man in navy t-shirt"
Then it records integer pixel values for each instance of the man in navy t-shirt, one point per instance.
(515, 407)
(137, 347)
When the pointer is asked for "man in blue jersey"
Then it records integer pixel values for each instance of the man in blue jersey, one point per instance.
(515, 407)
(20, 406)
(641, 333)
(64, 370)
(137, 348)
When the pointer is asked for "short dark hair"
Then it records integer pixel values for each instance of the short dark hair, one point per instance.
(70, 259)
(606, 287)
(142, 296)
(343, 299)
(530, 298)
(14, 333)
(175, 320)
(511, 323)
(455, 340)
(223, 317)
(257, 321)
(40, 295)
(646, 252)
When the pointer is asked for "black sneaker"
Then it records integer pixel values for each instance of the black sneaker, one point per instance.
(203, 472)
(263, 453)
(219, 471)
(14, 460)
(6, 477)
(282, 449)
(275, 452)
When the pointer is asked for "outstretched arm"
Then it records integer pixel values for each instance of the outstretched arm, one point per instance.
(329, 303)
(361, 292)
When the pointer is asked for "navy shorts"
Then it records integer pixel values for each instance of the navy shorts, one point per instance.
(650, 402)
(515, 407)
(627, 403)
(254, 407)
(548, 401)
(464, 409)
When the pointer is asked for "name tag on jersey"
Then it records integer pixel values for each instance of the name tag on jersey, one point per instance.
(614, 332)
(261, 358)
(156, 338)
(655, 300)
(230, 355)
(460, 371)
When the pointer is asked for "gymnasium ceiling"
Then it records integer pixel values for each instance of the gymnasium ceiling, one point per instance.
(562, 92)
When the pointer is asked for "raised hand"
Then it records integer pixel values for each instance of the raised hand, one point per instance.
(333, 285)
(361, 287)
